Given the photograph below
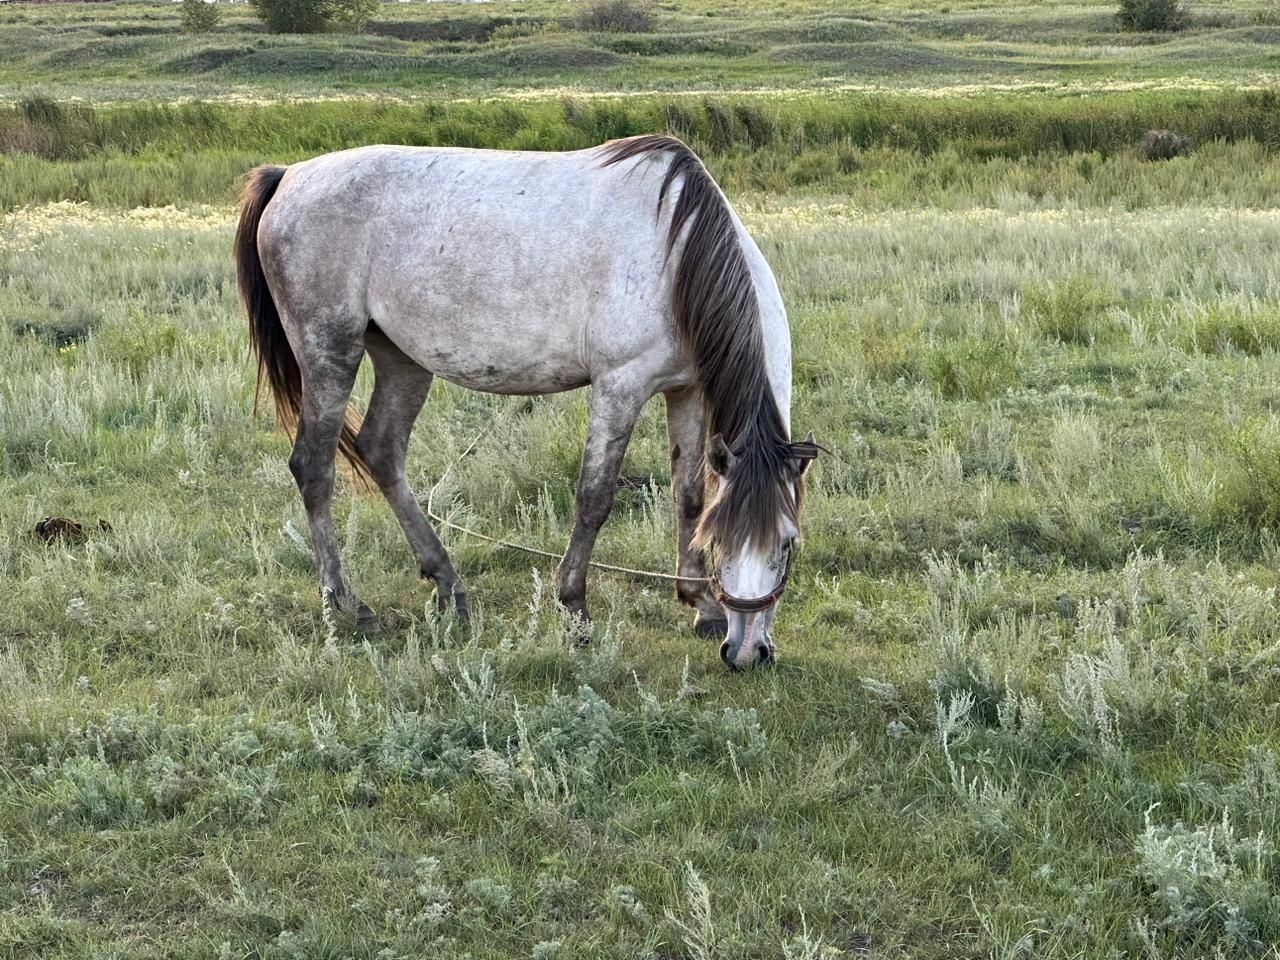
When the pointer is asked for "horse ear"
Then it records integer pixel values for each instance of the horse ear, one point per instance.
(804, 453)
(719, 457)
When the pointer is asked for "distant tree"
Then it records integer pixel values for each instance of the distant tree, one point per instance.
(314, 16)
(199, 16)
(1151, 15)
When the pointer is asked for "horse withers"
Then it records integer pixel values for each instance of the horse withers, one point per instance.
(621, 267)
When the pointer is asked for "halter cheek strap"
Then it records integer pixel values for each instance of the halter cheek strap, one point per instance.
(755, 604)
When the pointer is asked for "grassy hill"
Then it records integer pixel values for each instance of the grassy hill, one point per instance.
(460, 50)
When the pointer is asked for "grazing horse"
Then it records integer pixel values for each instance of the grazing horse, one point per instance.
(621, 267)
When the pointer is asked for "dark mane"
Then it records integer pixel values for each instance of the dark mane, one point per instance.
(717, 315)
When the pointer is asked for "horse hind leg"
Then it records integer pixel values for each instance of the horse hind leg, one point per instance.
(328, 374)
(399, 391)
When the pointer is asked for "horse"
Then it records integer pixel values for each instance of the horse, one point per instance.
(621, 267)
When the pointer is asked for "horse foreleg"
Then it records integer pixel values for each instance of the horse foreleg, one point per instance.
(686, 435)
(399, 390)
(612, 418)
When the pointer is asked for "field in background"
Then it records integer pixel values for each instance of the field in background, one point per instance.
(1026, 703)
(137, 51)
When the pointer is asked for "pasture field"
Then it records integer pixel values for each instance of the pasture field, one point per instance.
(1027, 697)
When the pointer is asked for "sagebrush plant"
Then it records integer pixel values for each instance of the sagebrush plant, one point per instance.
(1209, 884)
(988, 803)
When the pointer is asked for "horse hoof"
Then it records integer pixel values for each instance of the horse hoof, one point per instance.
(710, 629)
(367, 620)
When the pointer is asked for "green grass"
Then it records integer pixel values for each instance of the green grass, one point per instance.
(1025, 704)
(191, 758)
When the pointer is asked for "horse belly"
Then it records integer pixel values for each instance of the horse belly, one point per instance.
(518, 368)
(486, 349)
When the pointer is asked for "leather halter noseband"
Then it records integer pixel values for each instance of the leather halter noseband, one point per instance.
(756, 604)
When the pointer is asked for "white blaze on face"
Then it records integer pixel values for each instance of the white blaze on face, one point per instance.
(752, 573)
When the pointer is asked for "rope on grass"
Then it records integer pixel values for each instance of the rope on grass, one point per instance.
(512, 545)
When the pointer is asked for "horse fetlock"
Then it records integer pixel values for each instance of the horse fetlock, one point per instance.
(461, 604)
(574, 600)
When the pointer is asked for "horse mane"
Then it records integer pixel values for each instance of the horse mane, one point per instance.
(717, 315)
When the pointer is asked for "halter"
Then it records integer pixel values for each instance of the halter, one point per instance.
(756, 604)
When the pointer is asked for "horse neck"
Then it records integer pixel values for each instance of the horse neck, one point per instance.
(775, 332)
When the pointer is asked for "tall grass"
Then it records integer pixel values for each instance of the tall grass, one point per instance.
(885, 147)
(981, 127)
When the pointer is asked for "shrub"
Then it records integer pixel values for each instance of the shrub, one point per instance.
(352, 14)
(1151, 15)
(314, 16)
(1268, 16)
(1208, 881)
(199, 16)
(812, 166)
(1249, 488)
(972, 369)
(616, 16)
(1164, 145)
(759, 128)
(1073, 310)
(721, 122)
(1219, 328)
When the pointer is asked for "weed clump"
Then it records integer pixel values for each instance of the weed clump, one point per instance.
(1249, 490)
(973, 369)
(1221, 328)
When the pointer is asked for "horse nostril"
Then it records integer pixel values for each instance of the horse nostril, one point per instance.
(726, 655)
(764, 654)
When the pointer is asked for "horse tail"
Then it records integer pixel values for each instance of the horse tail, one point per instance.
(277, 365)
